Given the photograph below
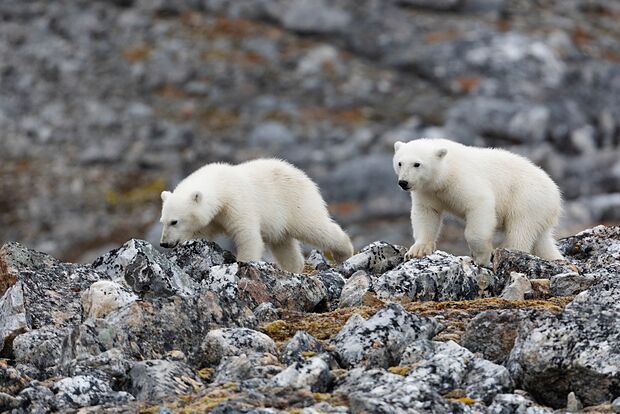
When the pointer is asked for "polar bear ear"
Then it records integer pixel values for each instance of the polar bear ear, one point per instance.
(197, 197)
(165, 195)
(397, 145)
(442, 153)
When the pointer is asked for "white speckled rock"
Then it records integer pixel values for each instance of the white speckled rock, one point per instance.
(235, 341)
(154, 380)
(103, 297)
(439, 276)
(354, 289)
(380, 340)
(376, 258)
(312, 373)
(84, 391)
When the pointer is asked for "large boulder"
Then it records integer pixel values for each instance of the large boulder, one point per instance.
(155, 380)
(233, 342)
(380, 340)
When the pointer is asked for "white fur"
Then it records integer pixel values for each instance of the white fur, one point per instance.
(259, 202)
(492, 189)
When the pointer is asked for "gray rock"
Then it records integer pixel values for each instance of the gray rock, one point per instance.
(111, 366)
(38, 291)
(196, 257)
(155, 380)
(233, 342)
(302, 342)
(594, 251)
(333, 282)
(376, 258)
(354, 289)
(145, 270)
(573, 351)
(312, 373)
(84, 391)
(317, 260)
(573, 405)
(314, 16)
(40, 348)
(615, 405)
(103, 297)
(446, 366)
(571, 283)
(380, 340)
(376, 390)
(8, 402)
(519, 286)
(507, 261)
(266, 312)
(515, 403)
(493, 333)
(258, 282)
(439, 276)
(271, 135)
(251, 368)
(38, 398)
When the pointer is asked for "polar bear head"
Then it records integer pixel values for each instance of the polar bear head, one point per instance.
(419, 163)
(180, 215)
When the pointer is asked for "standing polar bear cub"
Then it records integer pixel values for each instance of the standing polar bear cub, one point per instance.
(259, 202)
(491, 189)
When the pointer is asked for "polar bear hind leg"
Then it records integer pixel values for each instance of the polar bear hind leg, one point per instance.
(545, 247)
(288, 255)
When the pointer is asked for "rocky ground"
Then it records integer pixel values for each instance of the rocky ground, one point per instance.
(195, 331)
(105, 103)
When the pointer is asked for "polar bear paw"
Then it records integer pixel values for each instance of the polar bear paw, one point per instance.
(419, 250)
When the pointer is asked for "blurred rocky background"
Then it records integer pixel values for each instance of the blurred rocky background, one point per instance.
(103, 104)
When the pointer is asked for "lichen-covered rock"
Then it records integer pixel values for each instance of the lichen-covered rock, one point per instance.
(492, 333)
(155, 380)
(145, 270)
(40, 348)
(12, 380)
(378, 391)
(316, 260)
(254, 283)
(84, 391)
(314, 16)
(37, 399)
(256, 368)
(517, 288)
(439, 276)
(515, 403)
(376, 258)
(103, 297)
(571, 283)
(312, 373)
(354, 289)
(507, 261)
(38, 291)
(578, 350)
(266, 312)
(446, 366)
(333, 283)
(233, 342)
(300, 344)
(111, 366)
(197, 257)
(380, 340)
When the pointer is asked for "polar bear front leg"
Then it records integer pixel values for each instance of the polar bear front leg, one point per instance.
(426, 224)
(250, 245)
(480, 226)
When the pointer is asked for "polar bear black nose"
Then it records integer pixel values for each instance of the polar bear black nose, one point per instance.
(164, 244)
(403, 184)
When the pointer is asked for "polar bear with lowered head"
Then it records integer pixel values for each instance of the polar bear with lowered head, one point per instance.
(491, 189)
(259, 202)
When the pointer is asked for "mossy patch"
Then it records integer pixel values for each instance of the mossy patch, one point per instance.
(400, 370)
(139, 195)
(455, 315)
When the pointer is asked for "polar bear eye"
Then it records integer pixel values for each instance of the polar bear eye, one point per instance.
(400, 164)
(174, 222)
(416, 165)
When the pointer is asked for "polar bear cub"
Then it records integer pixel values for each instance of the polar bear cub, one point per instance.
(492, 189)
(259, 202)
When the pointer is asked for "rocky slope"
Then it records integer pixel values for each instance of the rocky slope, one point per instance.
(104, 103)
(195, 331)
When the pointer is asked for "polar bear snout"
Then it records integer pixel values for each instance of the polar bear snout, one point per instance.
(404, 184)
(168, 245)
